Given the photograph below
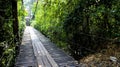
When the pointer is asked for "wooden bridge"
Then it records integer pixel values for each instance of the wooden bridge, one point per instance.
(38, 51)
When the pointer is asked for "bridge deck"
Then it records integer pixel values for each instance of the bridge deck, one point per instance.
(38, 51)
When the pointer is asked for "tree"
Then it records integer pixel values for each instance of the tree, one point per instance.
(15, 20)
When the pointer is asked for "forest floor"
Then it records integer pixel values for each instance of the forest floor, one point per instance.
(109, 57)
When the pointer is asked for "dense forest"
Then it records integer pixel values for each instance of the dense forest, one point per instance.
(82, 28)
(10, 30)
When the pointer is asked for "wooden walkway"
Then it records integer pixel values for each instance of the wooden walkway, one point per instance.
(38, 51)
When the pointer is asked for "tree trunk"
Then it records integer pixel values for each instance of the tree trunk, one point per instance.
(15, 25)
(15, 21)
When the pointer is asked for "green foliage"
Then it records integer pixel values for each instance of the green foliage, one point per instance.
(6, 32)
(21, 14)
(7, 56)
(79, 24)
(7, 44)
(50, 16)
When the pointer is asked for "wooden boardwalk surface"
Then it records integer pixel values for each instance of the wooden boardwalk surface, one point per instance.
(38, 51)
(26, 56)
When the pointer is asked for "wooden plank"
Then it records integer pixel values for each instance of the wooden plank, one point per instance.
(33, 44)
(41, 49)
(41, 52)
(44, 59)
(51, 60)
(34, 49)
(39, 59)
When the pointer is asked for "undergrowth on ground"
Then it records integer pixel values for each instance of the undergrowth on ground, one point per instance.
(102, 58)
